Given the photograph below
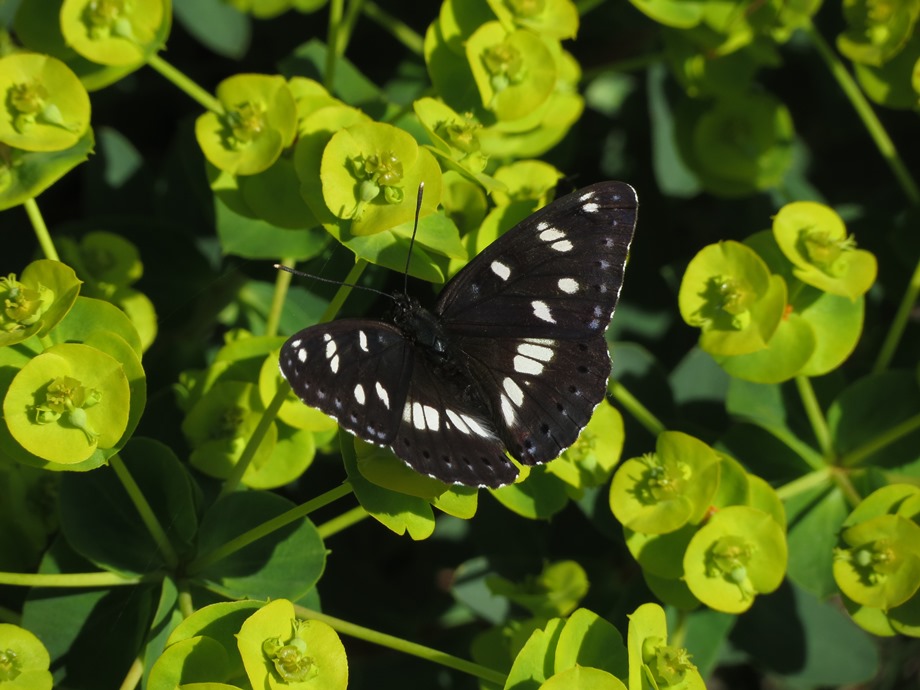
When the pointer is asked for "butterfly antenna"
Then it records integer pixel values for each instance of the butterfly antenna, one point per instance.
(418, 211)
(294, 271)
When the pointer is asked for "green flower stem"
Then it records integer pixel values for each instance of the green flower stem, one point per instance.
(332, 42)
(805, 483)
(815, 416)
(41, 230)
(636, 408)
(896, 330)
(901, 173)
(252, 445)
(347, 26)
(343, 521)
(400, 645)
(282, 283)
(185, 600)
(401, 31)
(808, 454)
(842, 481)
(266, 528)
(134, 676)
(185, 84)
(871, 122)
(896, 433)
(351, 279)
(75, 580)
(164, 546)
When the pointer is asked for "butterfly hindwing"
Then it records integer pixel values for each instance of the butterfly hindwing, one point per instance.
(355, 370)
(446, 431)
(543, 391)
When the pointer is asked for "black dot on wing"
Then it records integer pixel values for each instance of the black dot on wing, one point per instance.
(426, 455)
(406, 442)
(582, 347)
(544, 429)
(466, 460)
(486, 461)
(528, 443)
(582, 369)
(559, 406)
(573, 390)
(446, 460)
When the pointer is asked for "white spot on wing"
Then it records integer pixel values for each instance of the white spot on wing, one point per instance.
(432, 418)
(458, 422)
(499, 269)
(507, 410)
(326, 338)
(562, 246)
(542, 225)
(475, 427)
(295, 343)
(362, 340)
(407, 413)
(543, 352)
(541, 311)
(382, 394)
(513, 390)
(302, 355)
(551, 234)
(330, 348)
(359, 394)
(586, 196)
(590, 207)
(418, 416)
(526, 365)
(334, 364)
(568, 285)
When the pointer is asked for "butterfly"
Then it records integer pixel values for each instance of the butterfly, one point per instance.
(512, 360)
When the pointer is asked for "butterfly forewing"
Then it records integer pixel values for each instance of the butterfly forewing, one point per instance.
(557, 274)
(355, 370)
(513, 357)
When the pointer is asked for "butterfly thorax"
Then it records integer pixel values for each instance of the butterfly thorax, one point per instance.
(420, 325)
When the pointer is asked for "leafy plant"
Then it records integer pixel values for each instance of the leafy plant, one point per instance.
(746, 498)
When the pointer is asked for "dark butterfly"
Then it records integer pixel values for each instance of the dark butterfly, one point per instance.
(513, 357)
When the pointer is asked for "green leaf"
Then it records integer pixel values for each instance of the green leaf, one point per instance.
(875, 33)
(90, 501)
(26, 174)
(728, 292)
(583, 679)
(46, 106)
(24, 660)
(737, 144)
(192, 662)
(538, 497)
(286, 563)
(814, 238)
(370, 175)
(68, 401)
(871, 408)
(514, 71)
(259, 120)
(740, 552)
(589, 640)
(279, 651)
(398, 512)
(126, 36)
(216, 25)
